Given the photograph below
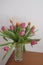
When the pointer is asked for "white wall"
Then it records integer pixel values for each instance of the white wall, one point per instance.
(25, 10)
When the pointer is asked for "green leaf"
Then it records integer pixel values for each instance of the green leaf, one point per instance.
(4, 56)
(8, 34)
(27, 29)
(27, 41)
(4, 44)
(5, 38)
(2, 34)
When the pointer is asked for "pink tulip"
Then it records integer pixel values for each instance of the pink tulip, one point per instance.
(11, 28)
(33, 29)
(6, 48)
(22, 33)
(23, 25)
(33, 42)
(29, 23)
(3, 28)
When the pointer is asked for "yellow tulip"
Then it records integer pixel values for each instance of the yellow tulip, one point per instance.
(11, 20)
(18, 24)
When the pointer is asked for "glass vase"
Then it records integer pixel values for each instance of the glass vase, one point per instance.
(18, 52)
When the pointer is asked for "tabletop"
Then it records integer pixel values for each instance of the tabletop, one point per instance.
(29, 58)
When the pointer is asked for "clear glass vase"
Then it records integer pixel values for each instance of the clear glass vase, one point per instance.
(18, 52)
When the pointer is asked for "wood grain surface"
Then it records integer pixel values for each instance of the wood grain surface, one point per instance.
(29, 58)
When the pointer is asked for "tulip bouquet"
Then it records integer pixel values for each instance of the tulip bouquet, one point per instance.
(20, 33)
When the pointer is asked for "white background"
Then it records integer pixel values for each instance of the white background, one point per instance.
(24, 10)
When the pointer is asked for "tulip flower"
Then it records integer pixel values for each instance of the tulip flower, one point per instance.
(29, 23)
(22, 33)
(11, 28)
(33, 29)
(18, 24)
(33, 42)
(3, 28)
(11, 20)
(23, 25)
(6, 48)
